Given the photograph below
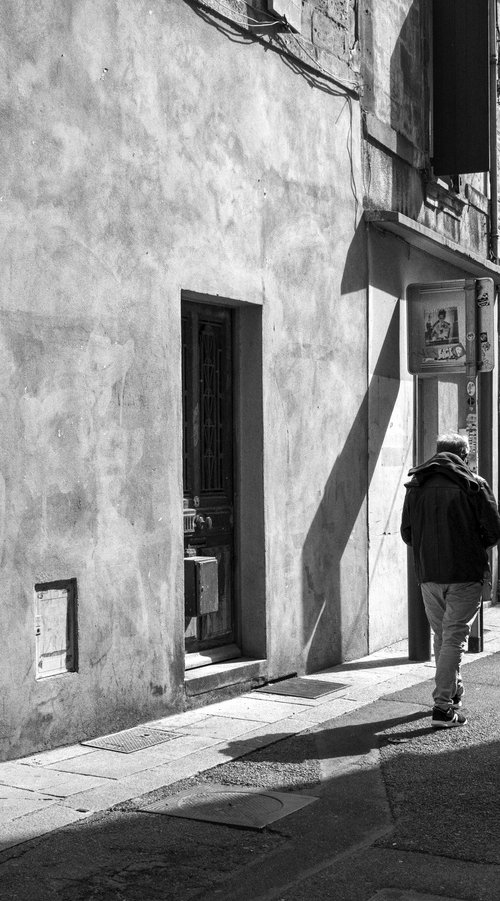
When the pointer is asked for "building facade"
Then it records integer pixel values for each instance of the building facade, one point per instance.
(211, 212)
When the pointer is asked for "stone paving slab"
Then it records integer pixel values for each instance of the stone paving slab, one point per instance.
(126, 789)
(31, 826)
(45, 780)
(16, 802)
(179, 720)
(366, 695)
(252, 707)
(220, 727)
(46, 758)
(113, 765)
(403, 681)
(330, 711)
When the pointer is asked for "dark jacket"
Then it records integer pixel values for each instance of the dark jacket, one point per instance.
(449, 518)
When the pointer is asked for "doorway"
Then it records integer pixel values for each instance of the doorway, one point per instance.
(208, 455)
(444, 404)
(441, 408)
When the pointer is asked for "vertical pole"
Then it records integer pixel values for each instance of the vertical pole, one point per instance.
(475, 643)
(419, 632)
(493, 131)
(471, 370)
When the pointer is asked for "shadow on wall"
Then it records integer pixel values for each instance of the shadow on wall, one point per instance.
(335, 608)
(408, 110)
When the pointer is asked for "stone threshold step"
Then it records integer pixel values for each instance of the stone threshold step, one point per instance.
(222, 675)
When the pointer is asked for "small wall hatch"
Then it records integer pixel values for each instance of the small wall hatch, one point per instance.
(55, 628)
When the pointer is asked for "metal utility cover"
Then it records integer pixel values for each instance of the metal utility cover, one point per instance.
(241, 806)
(302, 688)
(130, 740)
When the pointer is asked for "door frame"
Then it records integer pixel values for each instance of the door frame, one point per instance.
(248, 472)
(210, 491)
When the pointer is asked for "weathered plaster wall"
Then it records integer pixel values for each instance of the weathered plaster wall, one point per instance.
(144, 152)
(89, 451)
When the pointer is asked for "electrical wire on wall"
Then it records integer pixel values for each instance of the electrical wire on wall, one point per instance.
(243, 18)
(278, 34)
(246, 21)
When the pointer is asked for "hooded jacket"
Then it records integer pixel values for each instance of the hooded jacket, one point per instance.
(450, 517)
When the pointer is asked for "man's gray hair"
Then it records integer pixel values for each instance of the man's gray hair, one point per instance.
(452, 443)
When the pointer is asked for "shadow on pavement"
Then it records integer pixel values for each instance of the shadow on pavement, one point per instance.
(375, 663)
(444, 799)
(353, 735)
(426, 791)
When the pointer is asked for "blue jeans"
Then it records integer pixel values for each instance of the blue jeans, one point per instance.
(450, 609)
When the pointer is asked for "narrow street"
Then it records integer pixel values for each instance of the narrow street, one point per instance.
(379, 775)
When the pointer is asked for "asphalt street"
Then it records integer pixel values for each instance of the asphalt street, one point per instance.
(399, 807)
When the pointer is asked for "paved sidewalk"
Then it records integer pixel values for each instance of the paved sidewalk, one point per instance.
(50, 790)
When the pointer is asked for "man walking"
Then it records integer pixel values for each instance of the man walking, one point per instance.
(450, 517)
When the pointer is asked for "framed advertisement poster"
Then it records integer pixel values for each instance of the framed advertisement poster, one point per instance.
(451, 326)
(437, 327)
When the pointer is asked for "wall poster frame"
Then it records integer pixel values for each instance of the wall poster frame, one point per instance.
(451, 325)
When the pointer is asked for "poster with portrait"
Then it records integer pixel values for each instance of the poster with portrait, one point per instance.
(436, 327)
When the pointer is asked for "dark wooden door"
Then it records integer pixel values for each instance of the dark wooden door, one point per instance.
(208, 459)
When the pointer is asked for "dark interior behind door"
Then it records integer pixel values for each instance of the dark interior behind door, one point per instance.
(208, 459)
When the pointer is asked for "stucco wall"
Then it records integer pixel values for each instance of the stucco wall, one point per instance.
(145, 152)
